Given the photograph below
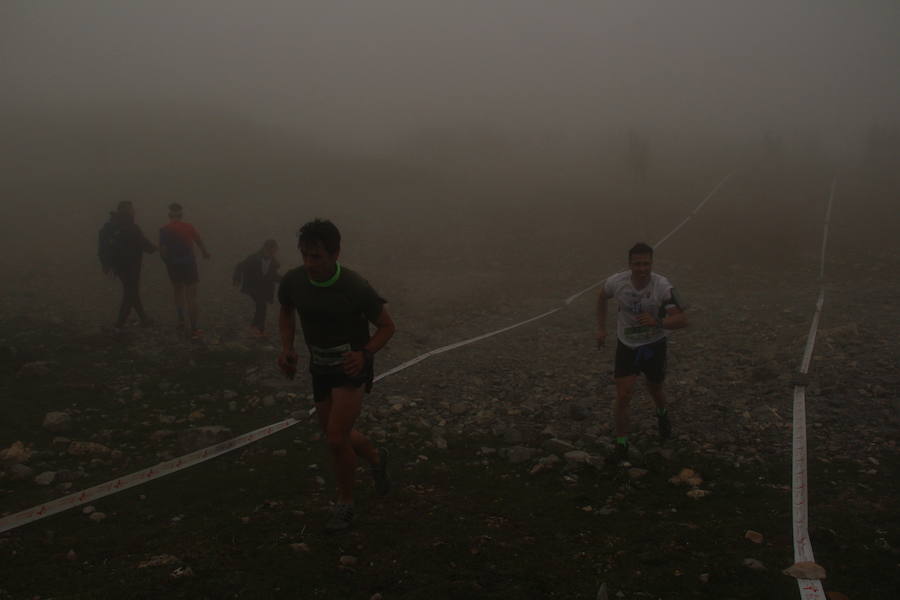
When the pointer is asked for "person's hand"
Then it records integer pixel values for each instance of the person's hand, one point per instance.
(354, 362)
(647, 319)
(287, 362)
(601, 338)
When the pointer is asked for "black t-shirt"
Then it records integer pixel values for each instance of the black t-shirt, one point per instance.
(333, 316)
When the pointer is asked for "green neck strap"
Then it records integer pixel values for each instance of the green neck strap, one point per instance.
(330, 281)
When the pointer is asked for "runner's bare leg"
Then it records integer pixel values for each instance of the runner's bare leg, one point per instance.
(624, 389)
(343, 441)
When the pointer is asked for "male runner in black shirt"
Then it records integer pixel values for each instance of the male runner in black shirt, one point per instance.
(335, 306)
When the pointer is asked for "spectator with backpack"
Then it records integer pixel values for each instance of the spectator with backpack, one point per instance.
(257, 275)
(121, 248)
(176, 247)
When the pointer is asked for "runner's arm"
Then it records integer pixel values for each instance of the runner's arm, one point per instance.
(238, 275)
(163, 249)
(384, 330)
(355, 360)
(675, 318)
(146, 245)
(287, 328)
(602, 301)
(202, 246)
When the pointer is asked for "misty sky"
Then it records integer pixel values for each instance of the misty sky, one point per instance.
(372, 71)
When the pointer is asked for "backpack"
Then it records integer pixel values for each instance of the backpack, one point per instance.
(111, 241)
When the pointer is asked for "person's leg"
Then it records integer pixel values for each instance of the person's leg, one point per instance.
(178, 290)
(136, 295)
(658, 393)
(190, 297)
(624, 389)
(343, 441)
(259, 313)
(125, 304)
(362, 446)
(655, 369)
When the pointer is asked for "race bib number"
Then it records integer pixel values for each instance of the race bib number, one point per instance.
(328, 357)
(639, 333)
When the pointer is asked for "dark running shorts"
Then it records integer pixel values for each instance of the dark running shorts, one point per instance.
(184, 273)
(649, 360)
(323, 383)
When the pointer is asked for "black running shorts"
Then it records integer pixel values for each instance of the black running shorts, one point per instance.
(324, 382)
(183, 273)
(649, 359)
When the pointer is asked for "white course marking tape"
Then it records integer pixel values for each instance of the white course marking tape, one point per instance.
(139, 477)
(573, 297)
(455, 345)
(810, 589)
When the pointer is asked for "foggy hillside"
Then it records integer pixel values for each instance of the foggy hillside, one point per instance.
(488, 165)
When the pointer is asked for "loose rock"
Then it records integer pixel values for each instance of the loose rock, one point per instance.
(752, 563)
(45, 478)
(57, 422)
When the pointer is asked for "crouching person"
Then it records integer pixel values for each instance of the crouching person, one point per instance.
(257, 275)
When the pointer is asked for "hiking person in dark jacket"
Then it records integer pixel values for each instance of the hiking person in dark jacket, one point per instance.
(257, 275)
(121, 247)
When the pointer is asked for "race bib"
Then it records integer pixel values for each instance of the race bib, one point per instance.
(328, 357)
(639, 333)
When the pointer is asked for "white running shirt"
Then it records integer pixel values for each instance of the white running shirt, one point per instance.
(654, 298)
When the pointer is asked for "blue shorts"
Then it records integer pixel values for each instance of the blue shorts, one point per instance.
(649, 359)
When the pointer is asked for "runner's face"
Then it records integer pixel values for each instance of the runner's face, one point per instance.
(641, 265)
(318, 262)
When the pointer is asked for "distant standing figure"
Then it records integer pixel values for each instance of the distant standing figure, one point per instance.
(176, 247)
(257, 275)
(121, 248)
(647, 310)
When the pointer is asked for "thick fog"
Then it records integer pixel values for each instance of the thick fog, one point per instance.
(485, 162)
(355, 73)
(414, 124)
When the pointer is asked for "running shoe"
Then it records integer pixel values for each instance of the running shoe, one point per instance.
(380, 473)
(341, 518)
(665, 426)
(618, 455)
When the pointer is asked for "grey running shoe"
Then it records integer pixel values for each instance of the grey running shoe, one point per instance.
(341, 518)
(380, 473)
(665, 426)
(618, 455)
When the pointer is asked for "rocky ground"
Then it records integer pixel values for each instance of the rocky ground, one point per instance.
(500, 487)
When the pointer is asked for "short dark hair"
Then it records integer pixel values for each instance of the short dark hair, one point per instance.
(175, 209)
(124, 205)
(320, 230)
(269, 244)
(640, 248)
